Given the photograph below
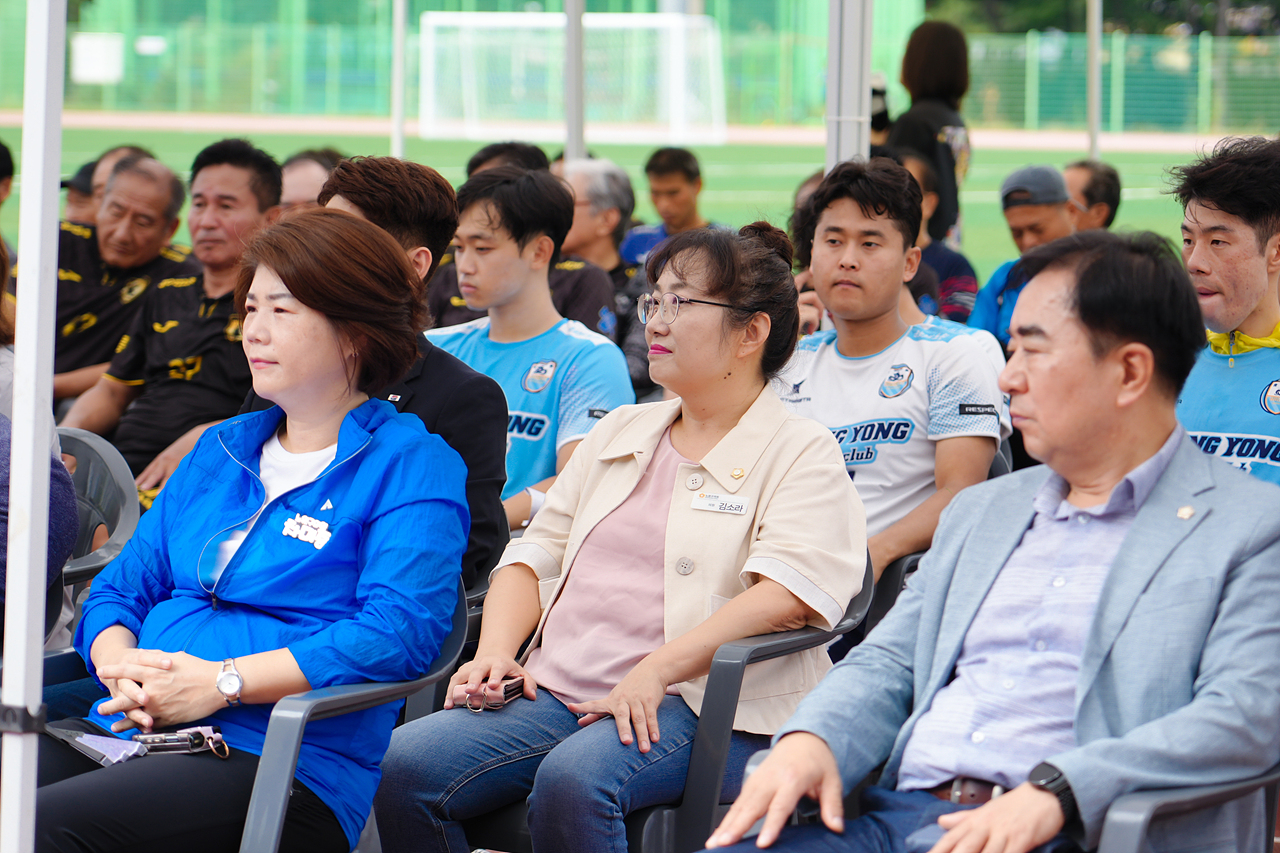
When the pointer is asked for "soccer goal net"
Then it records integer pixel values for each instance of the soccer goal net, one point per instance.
(648, 77)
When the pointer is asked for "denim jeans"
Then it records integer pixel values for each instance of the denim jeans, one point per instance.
(580, 782)
(891, 822)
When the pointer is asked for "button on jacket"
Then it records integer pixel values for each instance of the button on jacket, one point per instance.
(790, 514)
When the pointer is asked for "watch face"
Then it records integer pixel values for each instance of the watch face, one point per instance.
(229, 683)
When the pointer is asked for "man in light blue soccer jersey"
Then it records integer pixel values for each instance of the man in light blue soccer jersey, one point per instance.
(558, 376)
(1231, 247)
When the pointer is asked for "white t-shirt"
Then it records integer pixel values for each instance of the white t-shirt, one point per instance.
(280, 471)
(887, 410)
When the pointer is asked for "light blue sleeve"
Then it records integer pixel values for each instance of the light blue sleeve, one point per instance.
(986, 309)
(596, 383)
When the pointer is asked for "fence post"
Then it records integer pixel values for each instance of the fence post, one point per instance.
(1118, 61)
(1204, 82)
(1031, 117)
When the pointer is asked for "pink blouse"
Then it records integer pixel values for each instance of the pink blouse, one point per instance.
(608, 616)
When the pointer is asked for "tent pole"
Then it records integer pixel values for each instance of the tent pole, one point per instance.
(848, 80)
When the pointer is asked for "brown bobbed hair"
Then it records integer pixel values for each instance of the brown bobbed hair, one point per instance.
(411, 202)
(750, 270)
(352, 272)
(936, 63)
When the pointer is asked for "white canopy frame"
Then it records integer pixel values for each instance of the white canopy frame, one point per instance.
(21, 691)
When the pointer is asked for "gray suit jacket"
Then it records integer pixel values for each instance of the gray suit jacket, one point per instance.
(1179, 681)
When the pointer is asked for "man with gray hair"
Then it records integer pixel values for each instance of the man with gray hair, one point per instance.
(104, 268)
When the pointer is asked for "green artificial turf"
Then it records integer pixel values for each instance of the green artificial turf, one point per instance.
(741, 182)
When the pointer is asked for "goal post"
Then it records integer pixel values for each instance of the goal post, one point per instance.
(649, 77)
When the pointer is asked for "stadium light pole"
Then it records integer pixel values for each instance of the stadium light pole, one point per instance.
(46, 48)
(848, 80)
(1093, 80)
(575, 145)
(399, 23)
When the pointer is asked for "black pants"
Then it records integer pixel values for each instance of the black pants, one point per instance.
(162, 803)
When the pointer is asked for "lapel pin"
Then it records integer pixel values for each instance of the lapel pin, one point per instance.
(1186, 512)
(393, 397)
(738, 473)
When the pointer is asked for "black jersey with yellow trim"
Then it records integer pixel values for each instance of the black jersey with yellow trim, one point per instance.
(184, 352)
(580, 291)
(97, 303)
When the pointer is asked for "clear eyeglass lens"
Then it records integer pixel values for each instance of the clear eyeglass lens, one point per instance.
(666, 305)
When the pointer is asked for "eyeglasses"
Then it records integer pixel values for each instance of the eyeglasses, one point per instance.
(667, 306)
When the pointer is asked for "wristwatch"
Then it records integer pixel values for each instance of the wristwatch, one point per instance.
(1046, 777)
(229, 682)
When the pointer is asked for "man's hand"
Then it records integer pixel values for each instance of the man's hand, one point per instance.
(1015, 822)
(800, 765)
(633, 704)
(811, 309)
(175, 688)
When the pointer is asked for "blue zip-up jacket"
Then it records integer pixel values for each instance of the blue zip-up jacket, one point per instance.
(993, 308)
(371, 601)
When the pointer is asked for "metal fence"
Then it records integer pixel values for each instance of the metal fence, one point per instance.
(1037, 80)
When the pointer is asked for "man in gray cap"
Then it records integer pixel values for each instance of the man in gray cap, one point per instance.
(1038, 210)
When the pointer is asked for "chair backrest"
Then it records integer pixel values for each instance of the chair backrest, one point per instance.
(105, 494)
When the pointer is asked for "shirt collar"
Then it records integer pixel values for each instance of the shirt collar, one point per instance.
(1129, 494)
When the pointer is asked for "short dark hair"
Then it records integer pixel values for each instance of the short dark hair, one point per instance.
(1103, 186)
(264, 171)
(6, 162)
(880, 186)
(750, 270)
(936, 63)
(352, 272)
(669, 161)
(1129, 288)
(1240, 179)
(411, 202)
(326, 158)
(526, 203)
(928, 174)
(512, 153)
(133, 164)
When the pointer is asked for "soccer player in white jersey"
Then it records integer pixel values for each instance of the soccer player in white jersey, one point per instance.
(916, 409)
(559, 377)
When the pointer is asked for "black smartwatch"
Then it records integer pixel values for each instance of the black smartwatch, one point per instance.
(1046, 777)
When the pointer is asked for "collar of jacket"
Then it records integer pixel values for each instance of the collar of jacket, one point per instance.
(243, 437)
(1238, 343)
(739, 450)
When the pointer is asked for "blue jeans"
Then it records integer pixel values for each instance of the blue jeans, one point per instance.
(72, 699)
(891, 822)
(580, 782)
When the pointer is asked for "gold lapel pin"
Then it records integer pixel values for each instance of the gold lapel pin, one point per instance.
(738, 474)
(1186, 512)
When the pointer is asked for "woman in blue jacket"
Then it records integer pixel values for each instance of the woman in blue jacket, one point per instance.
(316, 543)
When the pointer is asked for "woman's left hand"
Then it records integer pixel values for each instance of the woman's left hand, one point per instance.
(182, 693)
(632, 704)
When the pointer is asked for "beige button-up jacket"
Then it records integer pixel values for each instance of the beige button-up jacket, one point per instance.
(793, 517)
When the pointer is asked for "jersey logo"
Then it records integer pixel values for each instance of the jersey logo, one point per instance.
(608, 323)
(175, 253)
(232, 330)
(457, 302)
(69, 275)
(133, 289)
(304, 528)
(78, 230)
(1271, 397)
(177, 282)
(539, 376)
(795, 387)
(124, 342)
(525, 425)
(161, 328)
(328, 504)
(860, 442)
(79, 324)
(1242, 451)
(897, 382)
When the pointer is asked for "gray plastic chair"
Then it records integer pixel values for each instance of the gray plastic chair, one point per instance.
(105, 494)
(685, 827)
(271, 787)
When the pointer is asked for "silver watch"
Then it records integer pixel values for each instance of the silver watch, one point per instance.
(229, 682)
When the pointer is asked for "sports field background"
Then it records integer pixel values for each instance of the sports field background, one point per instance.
(742, 183)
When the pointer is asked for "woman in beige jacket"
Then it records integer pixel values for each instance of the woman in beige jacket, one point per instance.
(674, 528)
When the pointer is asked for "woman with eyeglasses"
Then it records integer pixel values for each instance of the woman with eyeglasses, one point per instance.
(675, 527)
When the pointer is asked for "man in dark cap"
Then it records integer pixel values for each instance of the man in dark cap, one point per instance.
(79, 205)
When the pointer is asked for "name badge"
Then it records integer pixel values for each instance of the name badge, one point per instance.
(720, 503)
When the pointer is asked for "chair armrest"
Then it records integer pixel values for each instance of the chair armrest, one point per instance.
(280, 750)
(60, 666)
(1125, 828)
(86, 568)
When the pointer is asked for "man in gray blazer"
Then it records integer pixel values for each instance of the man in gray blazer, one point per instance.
(1104, 623)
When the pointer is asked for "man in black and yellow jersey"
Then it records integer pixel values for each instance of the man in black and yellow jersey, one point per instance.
(104, 269)
(180, 369)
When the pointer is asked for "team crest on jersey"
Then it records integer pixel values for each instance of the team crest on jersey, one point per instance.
(897, 382)
(1271, 397)
(539, 376)
(133, 289)
(232, 330)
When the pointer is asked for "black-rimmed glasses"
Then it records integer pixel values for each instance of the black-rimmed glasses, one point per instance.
(667, 306)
